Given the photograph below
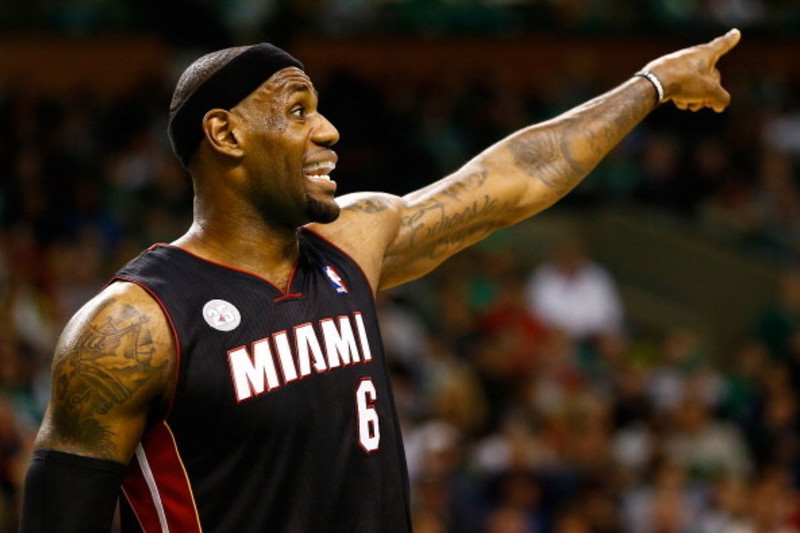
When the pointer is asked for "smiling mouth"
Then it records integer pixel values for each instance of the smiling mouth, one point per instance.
(319, 170)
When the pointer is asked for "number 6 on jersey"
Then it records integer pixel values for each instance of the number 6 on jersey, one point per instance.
(369, 430)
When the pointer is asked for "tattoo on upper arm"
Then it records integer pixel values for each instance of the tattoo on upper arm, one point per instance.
(471, 182)
(452, 218)
(104, 367)
(451, 232)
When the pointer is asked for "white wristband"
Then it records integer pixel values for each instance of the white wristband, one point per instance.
(652, 78)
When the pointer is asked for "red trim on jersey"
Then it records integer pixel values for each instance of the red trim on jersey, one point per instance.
(174, 490)
(174, 336)
(350, 257)
(134, 488)
(243, 271)
(287, 296)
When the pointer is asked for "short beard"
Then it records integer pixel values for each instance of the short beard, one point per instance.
(320, 211)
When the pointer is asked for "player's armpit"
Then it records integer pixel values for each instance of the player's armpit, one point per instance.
(113, 368)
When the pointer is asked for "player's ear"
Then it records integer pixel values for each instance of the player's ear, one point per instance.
(220, 132)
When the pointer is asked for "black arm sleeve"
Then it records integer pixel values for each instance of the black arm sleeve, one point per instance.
(68, 493)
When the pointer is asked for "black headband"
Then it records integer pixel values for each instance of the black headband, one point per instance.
(225, 88)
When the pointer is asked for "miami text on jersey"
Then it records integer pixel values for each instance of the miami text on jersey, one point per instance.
(255, 371)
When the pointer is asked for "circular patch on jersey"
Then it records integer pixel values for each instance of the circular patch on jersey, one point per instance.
(221, 315)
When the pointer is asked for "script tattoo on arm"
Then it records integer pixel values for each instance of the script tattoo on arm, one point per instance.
(447, 232)
(441, 220)
(454, 217)
(101, 369)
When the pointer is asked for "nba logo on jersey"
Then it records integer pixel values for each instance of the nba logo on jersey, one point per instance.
(335, 279)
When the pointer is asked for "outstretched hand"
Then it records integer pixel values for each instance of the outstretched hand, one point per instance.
(690, 76)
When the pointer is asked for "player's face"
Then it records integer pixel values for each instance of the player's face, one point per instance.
(287, 151)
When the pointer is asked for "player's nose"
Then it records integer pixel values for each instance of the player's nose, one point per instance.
(325, 133)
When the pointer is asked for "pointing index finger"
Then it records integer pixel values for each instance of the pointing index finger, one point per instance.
(724, 43)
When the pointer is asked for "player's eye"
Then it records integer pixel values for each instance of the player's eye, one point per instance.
(299, 111)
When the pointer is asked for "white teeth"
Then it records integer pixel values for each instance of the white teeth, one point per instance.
(323, 165)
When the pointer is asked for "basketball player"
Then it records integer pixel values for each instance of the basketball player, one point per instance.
(234, 379)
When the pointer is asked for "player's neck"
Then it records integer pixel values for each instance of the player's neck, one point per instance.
(269, 252)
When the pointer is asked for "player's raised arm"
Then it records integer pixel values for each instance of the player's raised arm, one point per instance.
(112, 370)
(533, 168)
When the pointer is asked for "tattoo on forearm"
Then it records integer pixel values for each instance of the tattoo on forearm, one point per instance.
(543, 156)
(104, 368)
(562, 154)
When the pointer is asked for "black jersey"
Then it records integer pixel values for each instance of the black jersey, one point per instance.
(283, 418)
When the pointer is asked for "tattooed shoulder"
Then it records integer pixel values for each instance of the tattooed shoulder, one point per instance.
(109, 361)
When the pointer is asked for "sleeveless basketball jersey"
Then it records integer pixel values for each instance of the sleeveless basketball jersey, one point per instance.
(283, 418)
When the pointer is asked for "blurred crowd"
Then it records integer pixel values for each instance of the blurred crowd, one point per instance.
(530, 401)
(524, 414)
